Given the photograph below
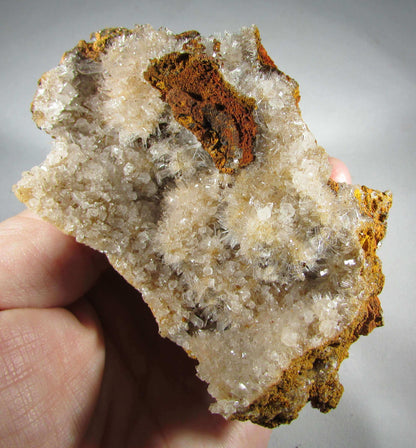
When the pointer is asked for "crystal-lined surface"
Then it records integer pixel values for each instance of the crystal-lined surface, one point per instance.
(247, 271)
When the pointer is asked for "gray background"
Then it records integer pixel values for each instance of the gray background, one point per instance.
(355, 62)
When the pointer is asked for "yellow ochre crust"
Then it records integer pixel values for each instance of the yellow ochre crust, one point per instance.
(316, 372)
(222, 119)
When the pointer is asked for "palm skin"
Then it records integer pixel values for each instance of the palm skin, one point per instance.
(81, 361)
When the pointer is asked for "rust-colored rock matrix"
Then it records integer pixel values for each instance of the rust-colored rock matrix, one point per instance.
(185, 160)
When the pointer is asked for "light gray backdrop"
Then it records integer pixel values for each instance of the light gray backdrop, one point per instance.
(355, 62)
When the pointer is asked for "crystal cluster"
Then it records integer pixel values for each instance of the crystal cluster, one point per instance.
(186, 161)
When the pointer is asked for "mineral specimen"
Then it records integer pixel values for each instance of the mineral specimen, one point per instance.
(185, 159)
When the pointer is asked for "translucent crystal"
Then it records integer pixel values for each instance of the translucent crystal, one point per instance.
(247, 271)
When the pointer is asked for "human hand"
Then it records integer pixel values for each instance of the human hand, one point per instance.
(81, 361)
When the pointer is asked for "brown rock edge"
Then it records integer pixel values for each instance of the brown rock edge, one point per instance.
(314, 376)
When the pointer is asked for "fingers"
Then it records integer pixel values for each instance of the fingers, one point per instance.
(42, 267)
(340, 171)
(247, 435)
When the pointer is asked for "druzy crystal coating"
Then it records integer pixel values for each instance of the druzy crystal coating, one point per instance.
(250, 258)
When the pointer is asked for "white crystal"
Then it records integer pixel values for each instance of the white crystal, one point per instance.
(264, 213)
(239, 269)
